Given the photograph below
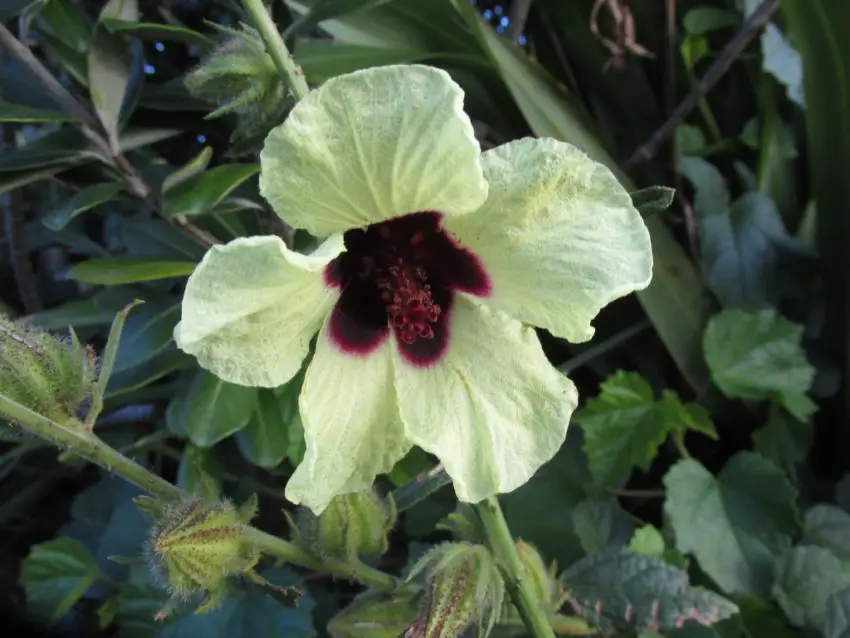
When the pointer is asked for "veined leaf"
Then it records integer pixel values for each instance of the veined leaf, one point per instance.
(828, 526)
(804, 580)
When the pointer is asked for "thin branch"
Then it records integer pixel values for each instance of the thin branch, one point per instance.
(518, 18)
(730, 52)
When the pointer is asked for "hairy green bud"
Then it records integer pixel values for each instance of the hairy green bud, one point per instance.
(48, 375)
(377, 614)
(352, 524)
(240, 77)
(196, 545)
(464, 586)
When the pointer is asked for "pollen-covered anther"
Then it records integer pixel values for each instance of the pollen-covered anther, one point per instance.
(408, 301)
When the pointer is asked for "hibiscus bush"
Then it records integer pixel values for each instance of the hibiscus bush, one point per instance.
(381, 318)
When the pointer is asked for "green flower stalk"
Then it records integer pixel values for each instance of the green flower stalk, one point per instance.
(352, 525)
(438, 260)
(48, 375)
(195, 546)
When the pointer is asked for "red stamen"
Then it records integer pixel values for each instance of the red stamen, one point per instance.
(409, 305)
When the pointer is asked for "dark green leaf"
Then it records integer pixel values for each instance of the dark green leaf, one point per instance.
(121, 270)
(737, 524)
(160, 366)
(757, 355)
(203, 194)
(147, 332)
(601, 525)
(784, 439)
(155, 238)
(55, 575)
(189, 173)
(837, 623)
(828, 526)
(62, 147)
(379, 614)
(20, 113)
(762, 620)
(85, 200)
(211, 409)
(264, 440)
(78, 313)
(652, 200)
(10, 8)
(619, 589)
(324, 9)
(199, 472)
(155, 31)
(137, 609)
(702, 20)
(69, 24)
(622, 427)
(322, 60)
(804, 580)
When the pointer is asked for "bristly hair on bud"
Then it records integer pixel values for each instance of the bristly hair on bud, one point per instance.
(542, 578)
(195, 545)
(48, 375)
(239, 77)
(354, 524)
(464, 586)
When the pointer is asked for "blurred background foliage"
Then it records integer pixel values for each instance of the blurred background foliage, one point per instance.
(733, 363)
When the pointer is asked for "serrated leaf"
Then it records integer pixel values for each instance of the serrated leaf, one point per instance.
(784, 439)
(111, 271)
(55, 575)
(647, 540)
(203, 194)
(622, 427)
(264, 440)
(683, 417)
(86, 199)
(210, 409)
(804, 579)
(21, 113)
(757, 355)
(837, 623)
(652, 200)
(601, 525)
(618, 589)
(828, 526)
(736, 524)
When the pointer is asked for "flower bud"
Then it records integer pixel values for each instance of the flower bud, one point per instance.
(47, 375)
(240, 77)
(464, 586)
(377, 614)
(543, 580)
(196, 545)
(352, 524)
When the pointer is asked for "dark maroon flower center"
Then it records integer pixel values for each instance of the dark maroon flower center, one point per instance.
(401, 275)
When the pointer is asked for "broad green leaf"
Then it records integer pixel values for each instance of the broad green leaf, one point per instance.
(199, 472)
(137, 608)
(760, 619)
(110, 62)
(804, 580)
(652, 200)
(188, 172)
(539, 511)
(837, 623)
(784, 439)
(69, 23)
(210, 409)
(705, 19)
(647, 540)
(168, 362)
(120, 270)
(606, 586)
(757, 355)
(264, 441)
(55, 575)
(828, 526)
(147, 332)
(380, 614)
(20, 113)
(601, 525)
(736, 524)
(324, 59)
(622, 427)
(201, 195)
(86, 199)
(155, 31)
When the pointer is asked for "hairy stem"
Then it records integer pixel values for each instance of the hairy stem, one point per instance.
(502, 545)
(74, 438)
(290, 73)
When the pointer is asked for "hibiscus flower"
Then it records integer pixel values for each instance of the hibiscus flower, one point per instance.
(436, 262)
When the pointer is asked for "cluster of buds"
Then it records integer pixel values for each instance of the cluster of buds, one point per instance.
(352, 525)
(240, 77)
(48, 375)
(194, 546)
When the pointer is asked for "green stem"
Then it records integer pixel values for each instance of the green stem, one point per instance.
(290, 73)
(502, 545)
(679, 442)
(74, 438)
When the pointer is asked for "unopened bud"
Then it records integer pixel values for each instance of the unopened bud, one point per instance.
(48, 375)
(464, 586)
(543, 580)
(240, 77)
(352, 524)
(195, 546)
(377, 614)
